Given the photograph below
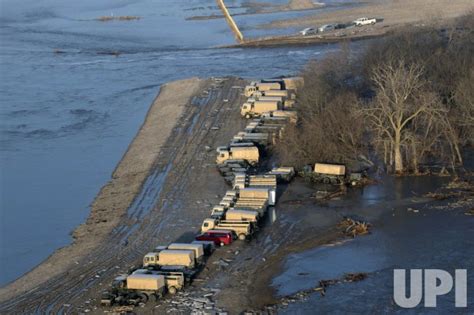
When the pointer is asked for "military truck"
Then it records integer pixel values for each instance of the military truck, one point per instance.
(260, 206)
(261, 86)
(197, 248)
(249, 154)
(175, 281)
(134, 289)
(284, 174)
(287, 103)
(325, 173)
(257, 108)
(291, 115)
(242, 215)
(253, 193)
(170, 257)
(242, 180)
(242, 229)
(258, 139)
(286, 94)
(334, 174)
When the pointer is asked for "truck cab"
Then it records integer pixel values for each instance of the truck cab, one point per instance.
(223, 154)
(218, 212)
(250, 89)
(246, 109)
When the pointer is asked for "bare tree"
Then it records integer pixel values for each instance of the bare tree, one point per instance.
(401, 98)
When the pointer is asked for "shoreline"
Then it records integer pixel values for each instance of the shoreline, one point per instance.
(392, 16)
(295, 40)
(107, 210)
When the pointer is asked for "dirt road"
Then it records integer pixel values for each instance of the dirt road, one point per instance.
(171, 166)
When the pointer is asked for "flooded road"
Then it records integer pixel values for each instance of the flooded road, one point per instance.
(74, 91)
(407, 234)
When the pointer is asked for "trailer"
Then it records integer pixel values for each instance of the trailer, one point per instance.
(250, 154)
(170, 257)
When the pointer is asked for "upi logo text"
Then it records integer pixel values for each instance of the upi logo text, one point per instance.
(435, 282)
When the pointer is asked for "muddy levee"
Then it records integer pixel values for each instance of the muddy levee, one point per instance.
(238, 277)
(242, 274)
(160, 192)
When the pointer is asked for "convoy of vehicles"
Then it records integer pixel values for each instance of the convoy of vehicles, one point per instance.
(248, 154)
(336, 26)
(169, 268)
(266, 98)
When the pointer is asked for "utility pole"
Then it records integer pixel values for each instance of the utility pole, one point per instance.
(230, 21)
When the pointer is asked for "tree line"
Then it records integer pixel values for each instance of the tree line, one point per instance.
(405, 102)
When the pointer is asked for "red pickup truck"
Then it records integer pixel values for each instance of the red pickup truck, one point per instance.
(219, 237)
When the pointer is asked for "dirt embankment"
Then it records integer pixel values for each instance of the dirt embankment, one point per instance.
(392, 12)
(173, 155)
(391, 15)
(116, 196)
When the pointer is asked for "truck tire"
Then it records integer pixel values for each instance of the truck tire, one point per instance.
(242, 237)
(326, 180)
(222, 244)
(143, 297)
(172, 290)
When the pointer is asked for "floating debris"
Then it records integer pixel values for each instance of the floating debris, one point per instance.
(354, 228)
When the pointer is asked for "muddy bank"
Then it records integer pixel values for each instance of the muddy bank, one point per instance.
(391, 16)
(116, 196)
(169, 206)
(392, 12)
(297, 40)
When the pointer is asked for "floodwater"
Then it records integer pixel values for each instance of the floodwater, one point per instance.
(74, 91)
(401, 239)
